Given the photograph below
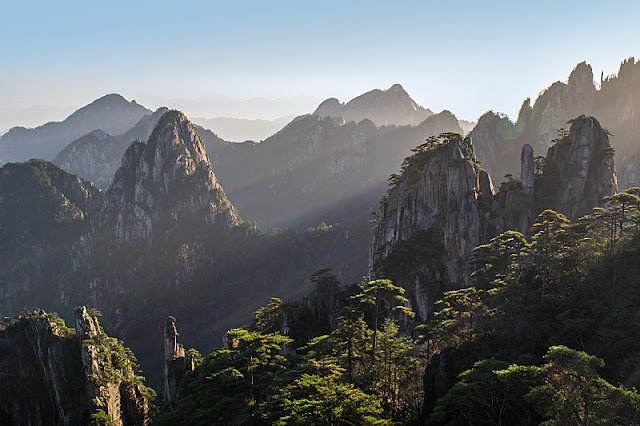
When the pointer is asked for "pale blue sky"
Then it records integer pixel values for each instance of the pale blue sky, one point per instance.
(464, 56)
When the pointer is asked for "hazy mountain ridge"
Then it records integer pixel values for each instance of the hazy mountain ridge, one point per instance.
(383, 107)
(164, 232)
(111, 113)
(352, 160)
(97, 155)
(166, 240)
(315, 167)
(498, 140)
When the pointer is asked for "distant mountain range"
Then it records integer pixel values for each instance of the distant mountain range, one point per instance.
(111, 113)
(163, 231)
(173, 232)
(97, 155)
(337, 165)
(318, 169)
(383, 107)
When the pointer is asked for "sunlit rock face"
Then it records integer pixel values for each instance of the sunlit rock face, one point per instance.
(442, 197)
(318, 169)
(164, 203)
(163, 184)
(580, 169)
(498, 140)
(66, 242)
(329, 166)
(446, 206)
(614, 101)
(391, 106)
(176, 366)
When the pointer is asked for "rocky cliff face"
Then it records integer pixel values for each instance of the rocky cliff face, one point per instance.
(383, 107)
(176, 366)
(163, 185)
(43, 211)
(579, 170)
(437, 205)
(443, 205)
(112, 113)
(52, 374)
(97, 155)
(498, 140)
(162, 240)
(558, 104)
(318, 168)
(617, 104)
(163, 204)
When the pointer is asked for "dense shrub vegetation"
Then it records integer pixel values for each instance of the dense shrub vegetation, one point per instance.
(548, 335)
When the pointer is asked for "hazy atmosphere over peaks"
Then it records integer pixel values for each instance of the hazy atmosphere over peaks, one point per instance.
(467, 57)
(372, 213)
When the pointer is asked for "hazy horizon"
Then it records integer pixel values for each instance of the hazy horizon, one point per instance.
(465, 57)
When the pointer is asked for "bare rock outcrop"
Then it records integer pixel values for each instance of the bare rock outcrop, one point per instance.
(52, 374)
(436, 202)
(164, 204)
(165, 182)
(444, 205)
(98, 155)
(176, 366)
(614, 101)
(579, 170)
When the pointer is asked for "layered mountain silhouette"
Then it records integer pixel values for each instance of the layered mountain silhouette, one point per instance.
(97, 155)
(336, 160)
(319, 169)
(163, 232)
(165, 238)
(112, 114)
(498, 139)
(391, 106)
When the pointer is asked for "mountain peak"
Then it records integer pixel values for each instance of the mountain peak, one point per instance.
(169, 173)
(111, 97)
(111, 113)
(582, 75)
(397, 88)
(171, 119)
(383, 107)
